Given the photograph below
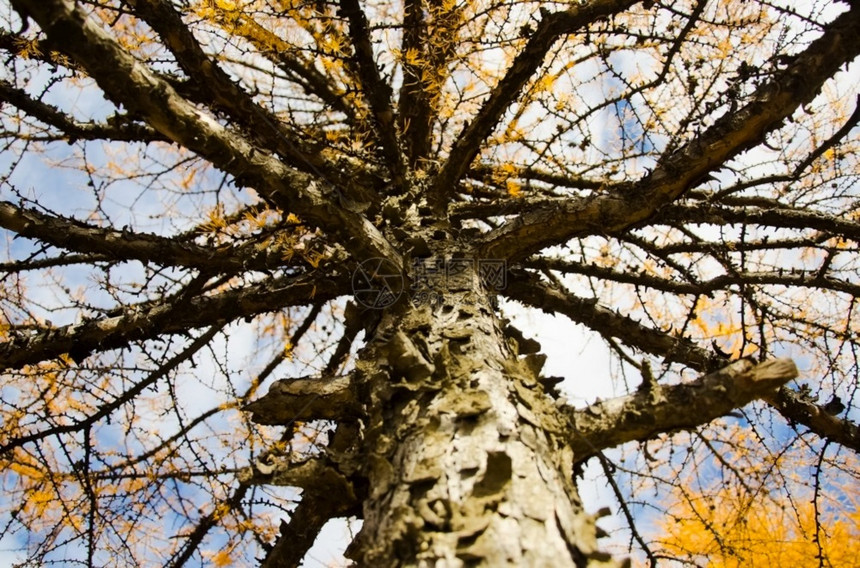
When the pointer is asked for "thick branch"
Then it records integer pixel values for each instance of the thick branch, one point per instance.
(127, 81)
(228, 96)
(62, 260)
(550, 29)
(430, 39)
(649, 412)
(676, 173)
(414, 107)
(528, 288)
(484, 173)
(74, 235)
(375, 89)
(328, 398)
(499, 207)
(531, 291)
(298, 535)
(813, 416)
(150, 320)
(317, 476)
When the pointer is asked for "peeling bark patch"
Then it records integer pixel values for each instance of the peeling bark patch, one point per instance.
(469, 404)
(408, 357)
(497, 476)
(480, 447)
(383, 474)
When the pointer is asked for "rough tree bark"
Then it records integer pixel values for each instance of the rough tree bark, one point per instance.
(466, 457)
(449, 444)
(463, 458)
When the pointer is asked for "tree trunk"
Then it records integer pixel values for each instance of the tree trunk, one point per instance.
(465, 454)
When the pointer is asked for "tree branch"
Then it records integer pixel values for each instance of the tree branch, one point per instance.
(377, 91)
(813, 416)
(751, 213)
(205, 524)
(297, 535)
(127, 81)
(853, 120)
(111, 244)
(327, 493)
(145, 321)
(483, 172)
(266, 129)
(649, 412)
(508, 89)
(413, 109)
(801, 278)
(62, 260)
(325, 398)
(117, 128)
(108, 408)
(280, 52)
(317, 476)
(430, 33)
(527, 288)
(675, 173)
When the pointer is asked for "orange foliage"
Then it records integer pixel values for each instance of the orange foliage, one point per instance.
(751, 507)
(735, 529)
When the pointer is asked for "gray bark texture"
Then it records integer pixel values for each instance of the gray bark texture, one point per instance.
(466, 456)
(443, 436)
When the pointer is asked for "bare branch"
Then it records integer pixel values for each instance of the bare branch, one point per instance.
(852, 121)
(752, 213)
(297, 68)
(111, 244)
(62, 260)
(730, 135)
(127, 395)
(166, 317)
(205, 524)
(828, 427)
(375, 89)
(649, 412)
(266, 129)
(793, 278)
(126, 80)
(550, 29)
(118, 128)
(528, 288)
(482, 172)
(531, 291)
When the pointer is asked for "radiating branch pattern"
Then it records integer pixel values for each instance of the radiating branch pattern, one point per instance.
(273, 263)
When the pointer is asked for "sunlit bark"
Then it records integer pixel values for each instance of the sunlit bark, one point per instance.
(198, 197)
